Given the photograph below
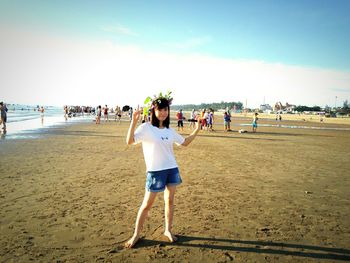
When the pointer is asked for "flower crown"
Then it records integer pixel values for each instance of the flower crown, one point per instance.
(157, 99)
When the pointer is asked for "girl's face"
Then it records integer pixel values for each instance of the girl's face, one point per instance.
(161, 114)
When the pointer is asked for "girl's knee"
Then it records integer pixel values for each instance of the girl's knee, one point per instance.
(146, 206)
(169, 201)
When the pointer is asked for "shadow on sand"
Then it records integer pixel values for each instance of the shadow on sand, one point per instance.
(249, 246)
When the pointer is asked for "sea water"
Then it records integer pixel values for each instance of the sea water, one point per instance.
(24, 121)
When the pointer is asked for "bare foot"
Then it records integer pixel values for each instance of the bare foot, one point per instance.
(170, 236)
(131, 242)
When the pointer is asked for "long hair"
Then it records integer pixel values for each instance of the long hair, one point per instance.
(160, 104)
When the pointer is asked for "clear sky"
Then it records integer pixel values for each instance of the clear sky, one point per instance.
(120, 52)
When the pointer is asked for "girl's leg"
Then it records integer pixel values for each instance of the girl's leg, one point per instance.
(169, 195)
(141, 217)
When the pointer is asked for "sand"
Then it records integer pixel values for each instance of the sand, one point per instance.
(280, 195)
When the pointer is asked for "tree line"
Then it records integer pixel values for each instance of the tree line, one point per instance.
(215, 106)
(345, 109)
(306, 108)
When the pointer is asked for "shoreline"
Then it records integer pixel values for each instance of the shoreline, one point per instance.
(35, 128)
(32, 129)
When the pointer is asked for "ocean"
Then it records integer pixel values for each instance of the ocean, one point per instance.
(25, 121)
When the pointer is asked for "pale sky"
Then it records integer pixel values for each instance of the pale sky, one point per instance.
(120, 52)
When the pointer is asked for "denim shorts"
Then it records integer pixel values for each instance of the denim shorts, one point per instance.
(156, 181)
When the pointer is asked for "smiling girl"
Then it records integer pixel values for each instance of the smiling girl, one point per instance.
(162, 174)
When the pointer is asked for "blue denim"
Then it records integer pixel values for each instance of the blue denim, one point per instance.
(156, 181)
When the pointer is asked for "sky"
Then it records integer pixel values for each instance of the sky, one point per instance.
(120, 52)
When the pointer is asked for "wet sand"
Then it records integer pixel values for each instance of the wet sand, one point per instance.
(280, 195)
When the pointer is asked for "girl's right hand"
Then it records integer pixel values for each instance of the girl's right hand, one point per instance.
(136, 114)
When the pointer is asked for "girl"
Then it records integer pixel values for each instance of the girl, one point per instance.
(162, 170)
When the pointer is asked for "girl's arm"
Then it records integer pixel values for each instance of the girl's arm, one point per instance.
(135, 117)
(193, 135)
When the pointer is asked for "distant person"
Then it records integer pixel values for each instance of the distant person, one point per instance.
(3, 119)
(278, 117)
(255, 121)
(210, 120)
(193, 119)
(204, 116)
(227, 120)
(131, 112)
(42, 111)
(180, 118)
(157, 140)
(228, 112)
(105, 113)
(98, 115)
(65, 109)
(118, 114)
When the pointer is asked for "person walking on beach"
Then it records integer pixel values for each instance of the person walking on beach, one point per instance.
(118, 114)
(227, 120)
(65, 109)
(42, 110)
(3, 120)
(98, 115)
(180, 122)
(255, 122)
(105, 113)
(192, 120)
(229, 116)
(203, 118)
(131, 112)
(157, 140)
(210, 120)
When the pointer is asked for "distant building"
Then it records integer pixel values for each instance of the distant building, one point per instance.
(265, 108)
(283, 109)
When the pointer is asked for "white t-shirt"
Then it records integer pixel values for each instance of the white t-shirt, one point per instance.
(157, 145)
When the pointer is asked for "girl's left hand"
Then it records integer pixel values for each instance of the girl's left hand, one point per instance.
(199, 122)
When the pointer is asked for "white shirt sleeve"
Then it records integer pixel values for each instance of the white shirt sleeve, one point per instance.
(141, 133)
(178, 139)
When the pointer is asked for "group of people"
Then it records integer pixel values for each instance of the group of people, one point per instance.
(206, 116)
(207, 120)
(117, 113)
(4, 110)
(227, 121)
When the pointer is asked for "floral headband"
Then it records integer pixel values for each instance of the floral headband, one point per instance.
(157, 99)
